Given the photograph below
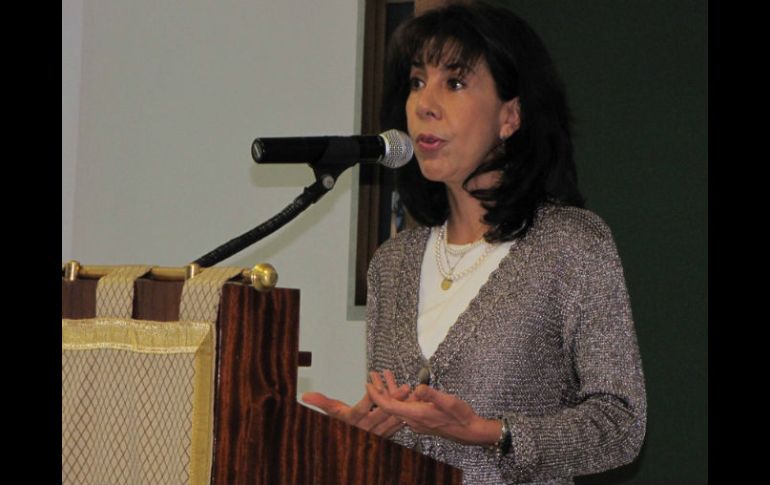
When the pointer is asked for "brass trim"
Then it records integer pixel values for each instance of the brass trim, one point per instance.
(71, 270)
(262, 276)
(191, 270)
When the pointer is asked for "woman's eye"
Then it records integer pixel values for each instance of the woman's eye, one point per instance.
(415, 82)
(456, 84)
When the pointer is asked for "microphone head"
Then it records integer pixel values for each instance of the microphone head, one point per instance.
(398, 149)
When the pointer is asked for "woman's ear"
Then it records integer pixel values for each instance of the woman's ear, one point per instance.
(510, 115)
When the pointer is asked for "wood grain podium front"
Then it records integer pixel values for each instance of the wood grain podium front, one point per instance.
(262, 435)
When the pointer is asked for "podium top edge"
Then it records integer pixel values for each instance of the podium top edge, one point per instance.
(262, 276)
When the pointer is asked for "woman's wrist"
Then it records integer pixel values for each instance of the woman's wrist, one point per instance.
(484, 432)
(505, 441)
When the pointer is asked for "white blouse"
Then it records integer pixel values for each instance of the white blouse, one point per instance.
(438, 309)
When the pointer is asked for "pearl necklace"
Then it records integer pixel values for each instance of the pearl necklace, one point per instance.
(442, 246)
(459, 250)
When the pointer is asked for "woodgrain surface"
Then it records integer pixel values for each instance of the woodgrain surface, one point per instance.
(262, 435)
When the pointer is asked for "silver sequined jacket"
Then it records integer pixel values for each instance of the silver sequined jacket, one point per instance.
(548, 341)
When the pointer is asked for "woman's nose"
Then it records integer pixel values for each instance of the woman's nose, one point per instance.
(428, 103)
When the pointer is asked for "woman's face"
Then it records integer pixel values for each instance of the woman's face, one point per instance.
(455, 119)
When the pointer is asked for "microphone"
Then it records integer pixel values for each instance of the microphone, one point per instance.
(392, 148)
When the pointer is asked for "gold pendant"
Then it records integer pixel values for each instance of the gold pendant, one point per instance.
(446, 284)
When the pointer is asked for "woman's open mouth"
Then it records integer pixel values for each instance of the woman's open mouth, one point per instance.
(429, 142)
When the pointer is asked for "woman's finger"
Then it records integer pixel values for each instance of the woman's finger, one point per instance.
(376, 380)
(361, 409)
(390, 380)
(400, 392)
(332, 407)
(387, 427)
(406, 409)
(446, 402)
(375, 421)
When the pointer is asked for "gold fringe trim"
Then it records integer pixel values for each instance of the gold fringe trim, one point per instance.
(134, 335)
(162, 338)
(201, 454)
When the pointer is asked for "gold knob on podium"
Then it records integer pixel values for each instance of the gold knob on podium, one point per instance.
(263, 277)
(71, 270)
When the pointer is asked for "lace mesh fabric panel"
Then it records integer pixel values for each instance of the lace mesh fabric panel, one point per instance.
(137, 396)
(128, 418)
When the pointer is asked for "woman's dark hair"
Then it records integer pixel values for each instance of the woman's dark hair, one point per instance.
(537, 164)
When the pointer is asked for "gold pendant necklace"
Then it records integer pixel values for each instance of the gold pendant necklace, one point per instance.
(440, 250)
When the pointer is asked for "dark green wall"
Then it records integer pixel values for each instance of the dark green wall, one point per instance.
(636, 78)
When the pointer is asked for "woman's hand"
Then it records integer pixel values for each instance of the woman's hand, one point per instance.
(429, 411)
(364, 414)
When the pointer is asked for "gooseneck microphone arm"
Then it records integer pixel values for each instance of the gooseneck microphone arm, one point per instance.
(311, 194)
(326, 170)
(329, 157)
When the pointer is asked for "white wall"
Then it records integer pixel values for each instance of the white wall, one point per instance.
(172, 94)
(71, 46)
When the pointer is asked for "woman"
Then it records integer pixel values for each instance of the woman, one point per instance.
(499, 333)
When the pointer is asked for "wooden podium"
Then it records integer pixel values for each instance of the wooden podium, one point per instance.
(262, 435)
